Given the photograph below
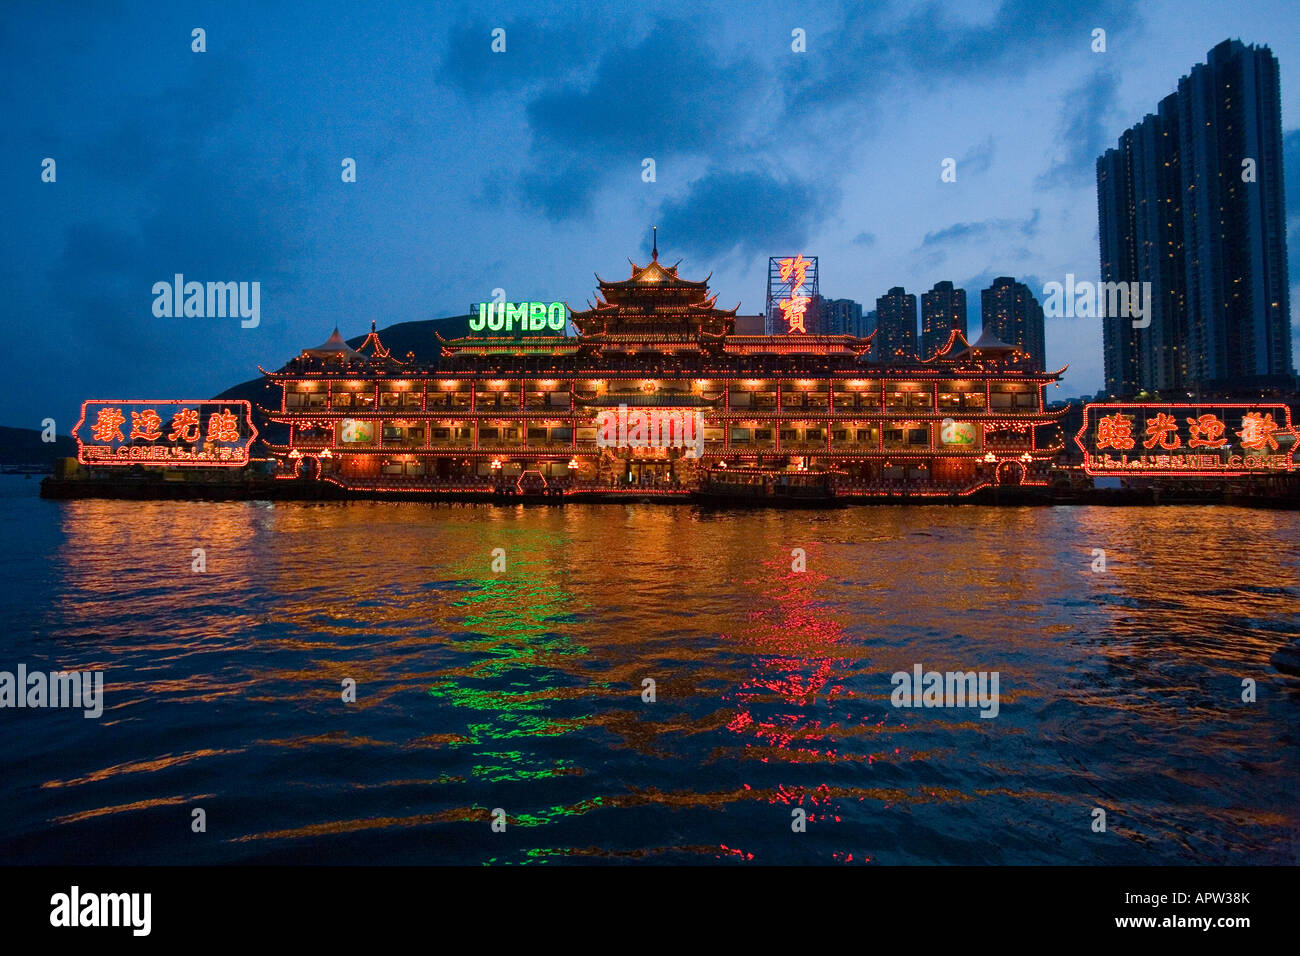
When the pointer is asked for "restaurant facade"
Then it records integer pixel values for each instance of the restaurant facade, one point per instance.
(651, 387)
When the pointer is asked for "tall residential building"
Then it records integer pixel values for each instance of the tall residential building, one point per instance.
(1192, 201)
(943, 309)
(869, 323)
(895, 327)
(842, 316)
(1009, 311)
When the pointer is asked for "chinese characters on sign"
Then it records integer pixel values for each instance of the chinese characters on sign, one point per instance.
(171, 433)
(1214, 440)
(795, 271)
(792, 295)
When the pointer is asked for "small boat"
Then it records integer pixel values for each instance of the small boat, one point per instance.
(530, 486)
(767, 486)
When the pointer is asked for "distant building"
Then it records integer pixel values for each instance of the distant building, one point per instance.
(895, 327)
(1009, 311)
(869, 323)
(1191, 200)
(750, 324)
(841, 316)
(943, 309)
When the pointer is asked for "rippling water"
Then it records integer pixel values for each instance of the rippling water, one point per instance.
(522, 690)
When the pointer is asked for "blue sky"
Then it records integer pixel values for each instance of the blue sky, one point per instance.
(522, 170)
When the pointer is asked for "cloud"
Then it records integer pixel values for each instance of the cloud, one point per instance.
(751, 213)
(963, 231)
(534, 52)
(197, 206)
(864, 239)
(978, 159)
(1083, 129)
(669, 95)
(876, 49)
(958, 232)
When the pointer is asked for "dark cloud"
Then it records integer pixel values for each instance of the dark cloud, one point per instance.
(963, 231)
(752, 213)
(1082, 130)
(669, 95)
(958, 232)
(671, 92)
(565, 188)
(199, 205)
(865, 239)
(876, 50)
(978, 159)
(535, 51)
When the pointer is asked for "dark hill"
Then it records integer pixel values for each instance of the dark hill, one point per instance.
(419, 337)
(23, 448)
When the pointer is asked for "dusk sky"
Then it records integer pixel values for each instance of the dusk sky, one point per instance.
(523, 169)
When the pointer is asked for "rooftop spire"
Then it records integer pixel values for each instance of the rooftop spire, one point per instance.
(655, 252)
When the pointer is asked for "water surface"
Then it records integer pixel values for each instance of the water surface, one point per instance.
(522, 690)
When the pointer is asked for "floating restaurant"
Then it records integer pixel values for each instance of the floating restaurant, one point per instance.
(652, 388)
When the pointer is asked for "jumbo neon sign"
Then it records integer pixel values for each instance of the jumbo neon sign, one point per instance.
(1197, 440)
(173, 433)
(516, 318)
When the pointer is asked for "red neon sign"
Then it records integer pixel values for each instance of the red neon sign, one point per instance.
(1223, 439)
(172, 433)
(794, 308)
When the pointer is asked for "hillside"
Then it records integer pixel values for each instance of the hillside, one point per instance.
(419, 337)
(23, 448)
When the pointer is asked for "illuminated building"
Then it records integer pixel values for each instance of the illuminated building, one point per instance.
(896, 327)
(1009, 311)
(843, 316)
(656, 385)
(943, 309)
(1192, 200)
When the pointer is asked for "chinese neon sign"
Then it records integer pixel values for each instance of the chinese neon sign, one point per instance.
(792, 294)
(1207, 440)
(172, 433)
(516, 318)
(795, 272)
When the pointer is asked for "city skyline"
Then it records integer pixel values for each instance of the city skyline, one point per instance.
(224, 165)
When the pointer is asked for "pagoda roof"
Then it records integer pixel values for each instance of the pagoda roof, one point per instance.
(335, 351)
(946, 350)
(655, 299)
(333, 347)
(988, 342)
(654, 273)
